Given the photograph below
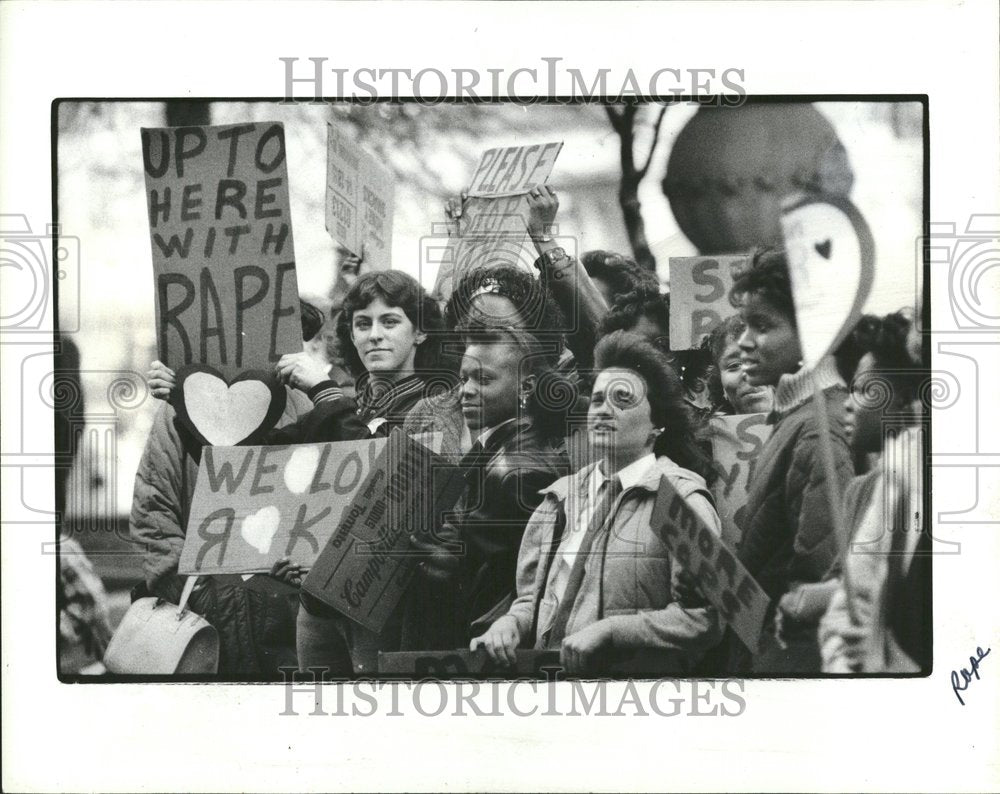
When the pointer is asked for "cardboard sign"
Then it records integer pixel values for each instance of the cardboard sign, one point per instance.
(366, 566)
(493, 227)
(513, 170)
(360, 198)
(736, 443)
(540, 664)
(254, 505)
(831, 263)
(221, 235)
(699, 296)
(222, 413)
(721, 577)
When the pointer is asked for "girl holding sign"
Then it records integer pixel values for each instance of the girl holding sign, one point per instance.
(789, 537)
(592, 575)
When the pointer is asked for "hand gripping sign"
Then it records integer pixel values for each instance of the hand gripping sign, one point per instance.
(720, 576)
(493, 227)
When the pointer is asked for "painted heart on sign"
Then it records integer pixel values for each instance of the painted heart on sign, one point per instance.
(831, 263)
(258, 528)
(227, 413)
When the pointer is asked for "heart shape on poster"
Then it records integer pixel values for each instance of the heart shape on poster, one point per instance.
(258, 528)
(831, 263)
(227, 413)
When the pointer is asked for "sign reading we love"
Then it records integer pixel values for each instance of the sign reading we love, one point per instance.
(254, 505)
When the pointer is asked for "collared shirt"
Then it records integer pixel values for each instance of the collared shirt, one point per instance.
(489, 431)
(572, 537)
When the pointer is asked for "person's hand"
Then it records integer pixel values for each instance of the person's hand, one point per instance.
(350, 265)
(687, 591)
(438, 564)
(302, 370)
(284, 570)
(161, 380)
(578, 649)
(453, 210)
(543, 204)
(500, 641)
(854, 638)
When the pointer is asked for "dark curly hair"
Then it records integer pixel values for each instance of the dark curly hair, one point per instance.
(766, 276)
(554, 395)
(859, 341)
(397, 289)
(713, 346)
(646, 301)
(312, 320)
(621, 273)
(665, 392)
(885, 338)
(537, 308)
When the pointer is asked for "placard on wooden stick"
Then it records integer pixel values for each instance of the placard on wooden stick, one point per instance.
(493, 227)
(360, 200)
(721, 577)
(699, 296)
(254, 505)
(221, 236)
(736, 442)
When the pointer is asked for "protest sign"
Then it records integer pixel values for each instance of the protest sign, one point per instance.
(227, 413)
(493, 227)
(221, 232)
(736, 442)
(367, 563)
(831, 264)
(699, 296)
(254, 505)
(529, 663)
(721, 577)
(360, 198)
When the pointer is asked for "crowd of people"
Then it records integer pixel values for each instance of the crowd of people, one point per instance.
(559, 396)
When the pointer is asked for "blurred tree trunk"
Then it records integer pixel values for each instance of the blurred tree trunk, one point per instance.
(182, 113)
(623, 120)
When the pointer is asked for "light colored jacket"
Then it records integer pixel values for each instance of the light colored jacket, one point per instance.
(629, 577)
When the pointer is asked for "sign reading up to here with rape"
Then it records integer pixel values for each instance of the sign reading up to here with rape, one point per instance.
(736, 442)
(493, 227)
(254, 505)
(699, 296)
(720, 576)
(221, 236)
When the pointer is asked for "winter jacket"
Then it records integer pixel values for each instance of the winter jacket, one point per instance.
(503, 484)
(788, 535)
(256, 629)
(629, 576)
(889, 566)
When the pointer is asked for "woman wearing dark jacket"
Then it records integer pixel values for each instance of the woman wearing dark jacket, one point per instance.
(514, 403)
(788, 532)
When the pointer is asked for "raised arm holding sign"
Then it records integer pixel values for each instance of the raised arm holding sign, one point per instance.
(492, 227)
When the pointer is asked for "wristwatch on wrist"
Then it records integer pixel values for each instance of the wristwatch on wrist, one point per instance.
(553, 255)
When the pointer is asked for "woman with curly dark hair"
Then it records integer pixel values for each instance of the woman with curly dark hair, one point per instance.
(788, 533)
(728, 388)
(592, 574)
(646, 312)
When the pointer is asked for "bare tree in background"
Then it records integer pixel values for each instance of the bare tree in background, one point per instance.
(627, 120)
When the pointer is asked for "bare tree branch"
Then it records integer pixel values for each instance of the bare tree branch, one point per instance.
(656, 138)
